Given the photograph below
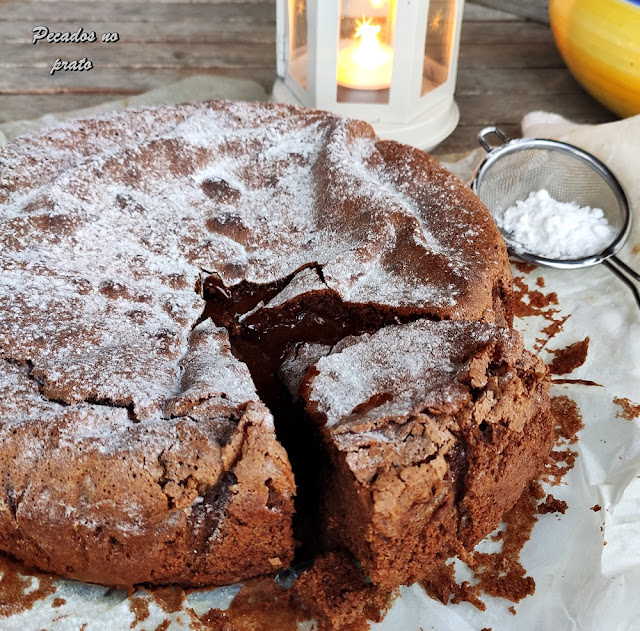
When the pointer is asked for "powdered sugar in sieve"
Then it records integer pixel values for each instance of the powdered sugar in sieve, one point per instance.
(510, 173)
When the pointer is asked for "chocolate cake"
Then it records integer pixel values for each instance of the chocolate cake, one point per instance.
(157, 265)
(431, 431)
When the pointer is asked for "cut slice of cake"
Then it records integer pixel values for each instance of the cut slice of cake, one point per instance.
(431, 430)
(197, 494)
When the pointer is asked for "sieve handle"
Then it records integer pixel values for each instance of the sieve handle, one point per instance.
(625, 274)
(488, 131)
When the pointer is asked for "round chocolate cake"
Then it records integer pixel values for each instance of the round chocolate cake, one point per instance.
(159, 265)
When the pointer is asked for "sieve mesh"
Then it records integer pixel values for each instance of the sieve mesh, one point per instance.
(512, 175)
(521, 167)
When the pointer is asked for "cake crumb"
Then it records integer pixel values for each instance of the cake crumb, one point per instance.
(582, 382)
(532, 302)
(630, 410)
(524, 267)
(139, 606)
(512, 610)
(567, 359)
(537, 303)
(500, 573)
(540, 281)
(260, 604)
(58, 602)
(335, 592)
(169, 598)
(567, 423)
(17, 593)
(552, 505)
(551, 330)
(596, 507)
(441, 585)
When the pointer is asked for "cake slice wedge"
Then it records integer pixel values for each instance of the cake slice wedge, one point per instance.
(431, 431)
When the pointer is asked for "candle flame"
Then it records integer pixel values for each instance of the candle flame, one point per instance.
(366, 63)
(369, 52)
(376, 3)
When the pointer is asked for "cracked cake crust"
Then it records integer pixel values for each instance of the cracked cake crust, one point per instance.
(134, 445)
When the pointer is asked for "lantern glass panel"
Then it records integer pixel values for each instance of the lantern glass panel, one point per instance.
(298, 42)
(365, 50)
(439, 43)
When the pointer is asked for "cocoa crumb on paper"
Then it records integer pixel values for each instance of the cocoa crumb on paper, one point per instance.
(58, 602)
(567, 359)
(260, 604)
(540, 281)
(169, 598)
(551, 330)
(524, 267)
(538, 303)
(533, 302)
(582, 382)
(567, 423)
(139, 606)
(629, 411)
(512, 610)
(335, 592)
(552, 505)
(501, 573)
(17, 593)
(596, 507)
(442, 586)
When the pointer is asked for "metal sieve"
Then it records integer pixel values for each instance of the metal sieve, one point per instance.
(511, 171)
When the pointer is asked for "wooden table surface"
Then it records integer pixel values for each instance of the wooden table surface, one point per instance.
(507, 67)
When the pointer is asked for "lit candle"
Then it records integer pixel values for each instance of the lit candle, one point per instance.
(365, 64)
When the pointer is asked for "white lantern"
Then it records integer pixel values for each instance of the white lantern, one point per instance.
(390, 62)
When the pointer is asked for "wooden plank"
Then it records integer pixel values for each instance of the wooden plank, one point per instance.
(464, 138)
(256, 54)
(192, 31)
(476, 12)
(26, 106)
(153, 55)
(163, 12)
(505, 33)
(532, 9)
(489, 109)
(508, 55)
(114, 81)
(525, 81)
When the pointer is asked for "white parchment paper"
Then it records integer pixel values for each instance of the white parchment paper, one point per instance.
(586, 564)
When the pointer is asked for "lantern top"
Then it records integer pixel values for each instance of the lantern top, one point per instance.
(390, 63)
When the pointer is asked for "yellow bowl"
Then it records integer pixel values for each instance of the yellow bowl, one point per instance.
(599, 41)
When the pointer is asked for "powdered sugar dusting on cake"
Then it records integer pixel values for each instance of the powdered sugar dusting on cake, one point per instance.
(103, 246)
(398, 371)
